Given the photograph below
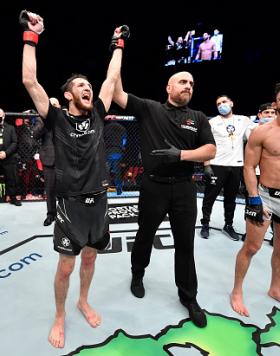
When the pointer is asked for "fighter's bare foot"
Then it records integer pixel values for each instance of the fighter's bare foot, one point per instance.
(56, 335)
(92, 317)
(237, 304)
(274, 294)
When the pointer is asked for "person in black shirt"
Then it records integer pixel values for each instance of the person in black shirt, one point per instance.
(167, 186)
(81, 178)
(47, 158)
(8, 158)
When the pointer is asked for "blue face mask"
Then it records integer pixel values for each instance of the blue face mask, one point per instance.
(224, 109)
(264, 120)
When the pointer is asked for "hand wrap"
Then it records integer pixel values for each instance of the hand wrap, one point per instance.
(119, 38)
(32, 25)
(254, 209)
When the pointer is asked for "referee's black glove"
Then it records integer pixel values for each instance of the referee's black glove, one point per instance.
(208, 174)
(172, 153)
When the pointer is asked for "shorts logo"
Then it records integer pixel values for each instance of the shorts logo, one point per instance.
(83, 126)
(89, 200)
(60, 218)
(65, 241)
(277, 193)
(250, 213)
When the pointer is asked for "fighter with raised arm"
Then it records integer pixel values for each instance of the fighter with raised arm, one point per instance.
(81, 225)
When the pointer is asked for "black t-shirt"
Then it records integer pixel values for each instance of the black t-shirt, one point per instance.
(79, 151)
(183, 127)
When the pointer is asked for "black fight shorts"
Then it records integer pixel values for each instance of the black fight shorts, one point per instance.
(81, 221)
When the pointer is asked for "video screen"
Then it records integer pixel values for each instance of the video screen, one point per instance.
(194, 46)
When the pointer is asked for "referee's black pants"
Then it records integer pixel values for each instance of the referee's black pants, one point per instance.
(178, 199)
(228, 178)
(49, 177)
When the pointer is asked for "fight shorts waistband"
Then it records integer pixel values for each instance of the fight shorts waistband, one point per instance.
(169, 180)
(87, 199)
(273, 192)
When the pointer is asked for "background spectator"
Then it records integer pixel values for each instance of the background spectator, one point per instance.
(8, 158)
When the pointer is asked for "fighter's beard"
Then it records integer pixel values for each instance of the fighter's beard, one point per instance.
(82, 107)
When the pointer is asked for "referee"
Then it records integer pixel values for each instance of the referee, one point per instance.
(173, 137)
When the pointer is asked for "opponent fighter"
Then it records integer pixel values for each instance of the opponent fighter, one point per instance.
(263, 149)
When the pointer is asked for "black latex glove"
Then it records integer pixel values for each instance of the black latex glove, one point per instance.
(208, 174)
(173, 153)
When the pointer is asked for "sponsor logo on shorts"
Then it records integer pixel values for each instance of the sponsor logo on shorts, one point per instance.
(65, 242)
(251, 213)
(60, 218)
(89, 200)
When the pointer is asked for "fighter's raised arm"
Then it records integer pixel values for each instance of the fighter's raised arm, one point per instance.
(121, 34)
(33, 26)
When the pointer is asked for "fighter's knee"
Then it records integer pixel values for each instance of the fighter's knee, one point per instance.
(88, 259)
(252, 249)
(65, 270)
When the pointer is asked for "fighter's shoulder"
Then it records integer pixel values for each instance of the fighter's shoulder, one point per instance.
(261, 132)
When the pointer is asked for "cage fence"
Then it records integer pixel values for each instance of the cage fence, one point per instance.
(123, 158)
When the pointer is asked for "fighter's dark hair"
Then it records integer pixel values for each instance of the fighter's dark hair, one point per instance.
(67, 86)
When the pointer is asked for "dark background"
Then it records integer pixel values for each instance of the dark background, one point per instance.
(78, 34)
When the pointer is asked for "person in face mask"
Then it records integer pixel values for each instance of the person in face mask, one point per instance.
(224, 171)
(266, 113)
(8, 158)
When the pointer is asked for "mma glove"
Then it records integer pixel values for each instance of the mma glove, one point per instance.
(254, 210)
(172, 153)
(119, 38)
(32, 25)
(208, 174)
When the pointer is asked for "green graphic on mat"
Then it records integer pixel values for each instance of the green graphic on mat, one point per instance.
(214, 340)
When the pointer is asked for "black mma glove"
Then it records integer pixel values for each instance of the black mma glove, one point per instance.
(32, 25)
(254, 210)
(120, 36)
(209, 174)
(173, 153)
